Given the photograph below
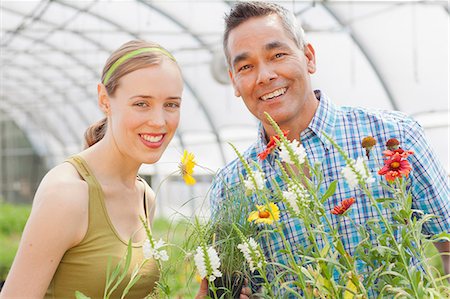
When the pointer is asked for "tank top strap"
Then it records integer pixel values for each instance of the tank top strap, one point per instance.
(147, 206)
(84, 171)
(97, 211)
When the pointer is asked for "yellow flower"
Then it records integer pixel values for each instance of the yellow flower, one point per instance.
(187, 167)
(265, 214)
(350, 289)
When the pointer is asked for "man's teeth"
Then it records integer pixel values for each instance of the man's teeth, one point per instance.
(273, 94)
(152, 138)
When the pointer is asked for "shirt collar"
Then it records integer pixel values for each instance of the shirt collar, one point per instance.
(323, 121)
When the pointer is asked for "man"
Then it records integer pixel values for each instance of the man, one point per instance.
(270, 66)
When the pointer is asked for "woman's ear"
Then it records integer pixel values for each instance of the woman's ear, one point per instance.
(103, 99)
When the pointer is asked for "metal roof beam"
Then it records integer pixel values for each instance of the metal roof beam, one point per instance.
(366, 54)
(29, 108)
(57, 91)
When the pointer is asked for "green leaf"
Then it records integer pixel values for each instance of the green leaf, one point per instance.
(384, 199)
(441, 237)
(124, 270)
(79, 295)
(330, 191)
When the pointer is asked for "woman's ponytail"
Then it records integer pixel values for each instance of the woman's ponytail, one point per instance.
(95, 132)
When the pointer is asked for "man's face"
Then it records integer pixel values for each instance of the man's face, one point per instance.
(269, 71)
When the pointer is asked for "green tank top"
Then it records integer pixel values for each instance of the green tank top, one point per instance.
(83, 267)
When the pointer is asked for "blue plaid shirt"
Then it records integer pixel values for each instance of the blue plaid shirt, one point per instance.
(429, 184)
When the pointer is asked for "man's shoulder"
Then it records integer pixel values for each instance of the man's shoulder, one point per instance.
(375, 116)
(230, 174)
(235, 167)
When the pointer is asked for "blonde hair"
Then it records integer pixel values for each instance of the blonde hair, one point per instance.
(97, 131)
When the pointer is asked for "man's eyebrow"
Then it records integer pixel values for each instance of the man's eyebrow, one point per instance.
(239, 58)
(275, 45)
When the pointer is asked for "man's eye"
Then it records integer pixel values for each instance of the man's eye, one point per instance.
(245, 67)
(279, 55)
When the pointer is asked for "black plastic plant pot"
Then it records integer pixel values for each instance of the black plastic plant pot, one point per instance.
(228, 287)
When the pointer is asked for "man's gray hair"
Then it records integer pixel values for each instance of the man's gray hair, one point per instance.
(243, 11)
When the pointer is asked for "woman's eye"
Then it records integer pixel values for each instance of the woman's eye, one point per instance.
(173, 105)
(141, 104)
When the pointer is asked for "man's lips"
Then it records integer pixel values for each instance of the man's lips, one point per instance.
(273, 94)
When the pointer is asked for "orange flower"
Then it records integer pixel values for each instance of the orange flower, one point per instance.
(368, 143)
(271, 145)
(344, 206)
(396, 166)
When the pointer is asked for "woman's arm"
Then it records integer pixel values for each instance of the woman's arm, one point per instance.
(58, 221)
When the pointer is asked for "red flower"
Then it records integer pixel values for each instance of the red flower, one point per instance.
(345, 204)
(392, 144)
(404, 154)
(396, 166)
(271, 145)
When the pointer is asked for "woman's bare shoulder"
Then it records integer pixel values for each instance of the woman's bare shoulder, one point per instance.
(64, 187)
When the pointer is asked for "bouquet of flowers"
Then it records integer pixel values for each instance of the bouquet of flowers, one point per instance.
(392, 247)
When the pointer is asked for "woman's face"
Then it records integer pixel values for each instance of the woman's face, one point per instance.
(145, 111)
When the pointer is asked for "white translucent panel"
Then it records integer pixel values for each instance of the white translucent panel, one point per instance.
(315, 18)
(138, 16)
(192, 115)
(343, 73)
(195, 14)
(182, 41)
(221, 102)
(399, 50)
(12, 17)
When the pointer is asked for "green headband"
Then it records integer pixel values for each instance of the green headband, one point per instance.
(131, 55)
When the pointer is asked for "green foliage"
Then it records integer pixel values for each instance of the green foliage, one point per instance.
(13, 218)
(178, 271)
(12, 221)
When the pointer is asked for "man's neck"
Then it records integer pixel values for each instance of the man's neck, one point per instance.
(296, 126)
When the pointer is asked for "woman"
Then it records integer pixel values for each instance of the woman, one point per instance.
(87, 208)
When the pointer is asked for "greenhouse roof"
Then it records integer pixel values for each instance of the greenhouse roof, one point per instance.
(376, 54)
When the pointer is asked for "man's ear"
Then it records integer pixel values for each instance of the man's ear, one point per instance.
(103, 99)
(310, 54)
(236, 92)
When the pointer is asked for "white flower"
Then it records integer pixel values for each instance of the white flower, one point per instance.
(357, 170)
(296, 196)
(207, 264)
(154, 251)
(259, 179)
(291, 199)
(252, 254)
(298, 150)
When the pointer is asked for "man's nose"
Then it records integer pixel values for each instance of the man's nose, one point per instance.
(265, 74)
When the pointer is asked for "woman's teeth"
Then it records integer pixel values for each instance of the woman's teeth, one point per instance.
(152, 138)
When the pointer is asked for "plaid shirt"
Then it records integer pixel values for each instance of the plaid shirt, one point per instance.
(347, 126)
